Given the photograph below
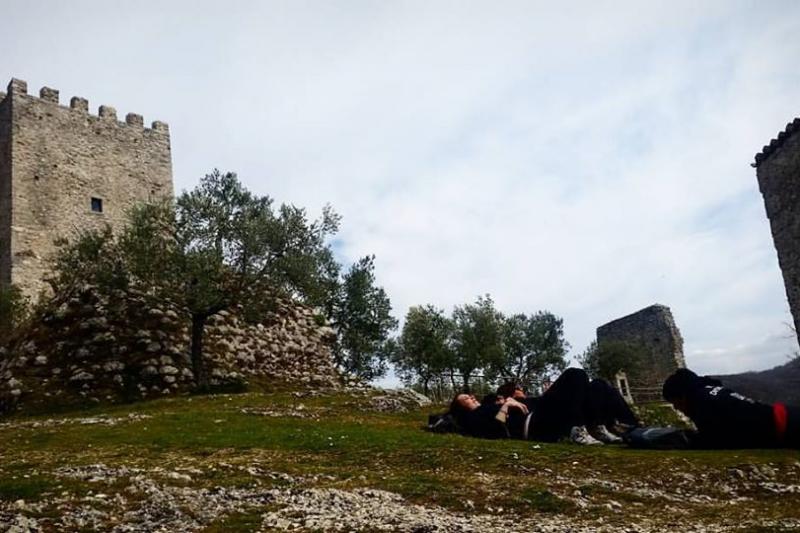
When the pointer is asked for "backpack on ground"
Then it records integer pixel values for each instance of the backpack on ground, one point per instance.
(442, 423)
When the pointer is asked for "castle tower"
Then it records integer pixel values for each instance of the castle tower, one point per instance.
(63, 170)
(652, 335)
(778, 171)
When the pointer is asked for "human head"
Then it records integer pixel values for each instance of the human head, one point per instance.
(492, 398)
(684, 380)
(677, 387)
(511, 389)
(463, 403)
(679, 384)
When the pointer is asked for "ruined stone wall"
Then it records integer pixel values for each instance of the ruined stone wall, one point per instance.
(652, 333)
(89, 348)
(62, 158)
(778, 171)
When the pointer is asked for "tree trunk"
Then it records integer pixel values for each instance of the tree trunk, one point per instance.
(465, 377)
(198, 365)
(425, 386)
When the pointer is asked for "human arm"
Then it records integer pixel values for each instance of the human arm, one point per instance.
(508, 404)
(485, 422)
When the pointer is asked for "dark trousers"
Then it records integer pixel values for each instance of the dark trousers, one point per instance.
(573, 400)
(607, 406)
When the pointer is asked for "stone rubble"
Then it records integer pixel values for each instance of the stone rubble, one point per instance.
(398, 401)
(298, 411)
(374, 399)
(158, 499)
(100, 420)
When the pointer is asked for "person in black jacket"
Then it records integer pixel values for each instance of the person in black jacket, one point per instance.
(727, 419)
(489, 419)
(570, 404)
(596, 403)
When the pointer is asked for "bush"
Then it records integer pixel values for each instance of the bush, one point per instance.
(15, 310)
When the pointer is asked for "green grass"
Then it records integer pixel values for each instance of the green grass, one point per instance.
(659, 414)
(543, 500)
(26, 488)
(238, 522)
(349, 448)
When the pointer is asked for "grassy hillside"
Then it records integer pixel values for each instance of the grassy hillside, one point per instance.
(326, 462)
(779, 384)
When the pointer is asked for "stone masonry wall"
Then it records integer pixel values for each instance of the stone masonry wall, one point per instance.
(93, 349)
(653, 333)
(5, 189)
(61, 158)
(778, 172)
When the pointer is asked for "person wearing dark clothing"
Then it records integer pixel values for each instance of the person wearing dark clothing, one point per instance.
(570, 404)
(485, 420)
(727, 419)
(574, 401)
(607, 407)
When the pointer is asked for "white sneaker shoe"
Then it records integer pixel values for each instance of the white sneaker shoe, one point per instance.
(579, 435)
(602, 434)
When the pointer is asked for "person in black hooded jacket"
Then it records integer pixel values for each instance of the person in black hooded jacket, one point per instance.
(726, 419)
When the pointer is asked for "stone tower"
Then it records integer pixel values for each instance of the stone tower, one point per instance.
(652, 333)
(778, 170)
(63, 170)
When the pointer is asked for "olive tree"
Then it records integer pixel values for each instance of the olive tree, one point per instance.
(424, 348)
(604, 360)
(360, 313)
(477, 337)
(210, 249)
(533, 347)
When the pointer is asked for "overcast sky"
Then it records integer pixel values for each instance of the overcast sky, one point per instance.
(589, 159)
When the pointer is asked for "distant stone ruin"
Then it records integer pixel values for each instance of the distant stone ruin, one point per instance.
(778, 171)
(652, 334)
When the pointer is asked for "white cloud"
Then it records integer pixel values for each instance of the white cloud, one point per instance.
(589, 159)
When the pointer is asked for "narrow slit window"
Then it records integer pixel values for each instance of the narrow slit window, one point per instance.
(97, 205)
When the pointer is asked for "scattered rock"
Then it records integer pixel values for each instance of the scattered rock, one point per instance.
(398, 401)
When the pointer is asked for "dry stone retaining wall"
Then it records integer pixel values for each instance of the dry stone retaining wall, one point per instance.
(123, 348)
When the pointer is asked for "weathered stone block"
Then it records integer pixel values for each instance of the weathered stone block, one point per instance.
(106, 111)
(48, 95)
(79, 104)
(133, 119)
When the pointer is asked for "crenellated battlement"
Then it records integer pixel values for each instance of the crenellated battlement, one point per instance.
(63, 168)
(19, 88)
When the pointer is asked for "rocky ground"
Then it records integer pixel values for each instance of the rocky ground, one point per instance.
(329, 461)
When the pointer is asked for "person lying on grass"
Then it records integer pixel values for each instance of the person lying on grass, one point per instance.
(564, 411)
(727, 419)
